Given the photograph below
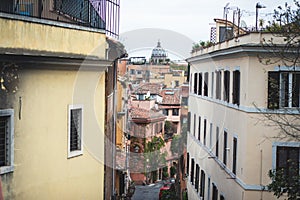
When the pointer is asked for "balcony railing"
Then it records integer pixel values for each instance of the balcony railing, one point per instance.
(100, 14)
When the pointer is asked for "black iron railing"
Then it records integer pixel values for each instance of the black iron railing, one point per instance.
(101, 14)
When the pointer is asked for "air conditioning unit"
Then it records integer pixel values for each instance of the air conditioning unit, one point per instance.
(24, 9)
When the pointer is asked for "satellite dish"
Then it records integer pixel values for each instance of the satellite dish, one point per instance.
(243, 24)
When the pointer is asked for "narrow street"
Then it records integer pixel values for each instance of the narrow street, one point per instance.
(147, 192)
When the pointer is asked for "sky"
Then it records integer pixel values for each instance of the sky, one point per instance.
(191, 18)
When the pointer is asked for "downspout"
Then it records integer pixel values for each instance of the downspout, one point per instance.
(114, 123)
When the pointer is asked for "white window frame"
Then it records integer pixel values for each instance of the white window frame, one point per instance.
(9, 113)
(283, 89)
(75, 152)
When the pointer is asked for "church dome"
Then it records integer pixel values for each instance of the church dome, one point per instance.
(158, 51)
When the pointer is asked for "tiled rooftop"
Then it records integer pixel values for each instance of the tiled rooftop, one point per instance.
(170, 96)
(154, 88)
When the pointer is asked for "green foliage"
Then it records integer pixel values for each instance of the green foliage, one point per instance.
(286, 24)
(201, 45)
(168, 127)
(165, 173)
(178, 67)
(169, 194)
(172, 171)
(9, 78)
(153, 155)
(178, 144)
(282, 185)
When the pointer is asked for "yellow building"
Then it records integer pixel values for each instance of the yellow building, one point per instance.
(52, 111)
(231, 144)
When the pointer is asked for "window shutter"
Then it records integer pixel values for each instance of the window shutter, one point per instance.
(236, 88)
(273, 90)
(3, 141)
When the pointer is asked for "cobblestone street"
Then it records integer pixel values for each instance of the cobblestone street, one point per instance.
(147, 192)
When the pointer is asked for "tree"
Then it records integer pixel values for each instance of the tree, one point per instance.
(153, 156)
(9, 81)
(285, 25)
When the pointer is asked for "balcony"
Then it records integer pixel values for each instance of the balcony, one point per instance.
(99, 14)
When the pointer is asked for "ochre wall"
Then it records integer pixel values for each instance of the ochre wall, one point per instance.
(42, 37)
(42, 167)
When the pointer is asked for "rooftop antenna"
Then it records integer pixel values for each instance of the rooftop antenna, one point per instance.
(225, 10)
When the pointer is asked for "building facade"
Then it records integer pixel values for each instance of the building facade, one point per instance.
(52, 113)
(231, 145)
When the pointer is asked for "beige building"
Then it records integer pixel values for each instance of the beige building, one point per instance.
(231, 145)
(52, 110)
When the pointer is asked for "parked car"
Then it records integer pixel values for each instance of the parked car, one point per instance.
(165, 187)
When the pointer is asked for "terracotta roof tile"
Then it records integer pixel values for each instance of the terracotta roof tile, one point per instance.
(141, 113)
(154, 88)
(171, 97)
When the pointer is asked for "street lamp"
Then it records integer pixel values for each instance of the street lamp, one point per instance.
(258, 6)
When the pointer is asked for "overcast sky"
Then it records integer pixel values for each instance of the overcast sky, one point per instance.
(192, 18)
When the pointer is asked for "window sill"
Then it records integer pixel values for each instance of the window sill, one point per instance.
(73, 154)
(6, 169)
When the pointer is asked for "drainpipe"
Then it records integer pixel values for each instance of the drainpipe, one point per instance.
(115, 73)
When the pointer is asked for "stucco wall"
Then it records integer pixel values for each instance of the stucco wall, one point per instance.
(42, 168)
(42, 37)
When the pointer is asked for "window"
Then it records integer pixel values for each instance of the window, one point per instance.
(199, 129)
(192, 171)
(215, 192)
(236, 88)
(202, 191)
(234, 155)
(6, 141)
(287, 160)
(141, 97)
(156, 128)
(204, 132)
(189, 122)
(226, 85)
(225, 148)
(191, 82)
(208, 188)
(187, 162)
(160, 125)
(195, 83)
(218, 85)
(217, 142)
(176, 83)
(75, 143)
(273, 90)
(210, 135)
(283, 89)
(175, 111)
(166, 112)
(205, 91)
(184, 101)
(132, 71)
(197, 178)
(200, 84)
(212, 85)
(195, 125)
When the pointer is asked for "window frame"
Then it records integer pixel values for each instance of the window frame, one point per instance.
(10, 114)
(282, 144)
(281, 93)
(75, 153)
